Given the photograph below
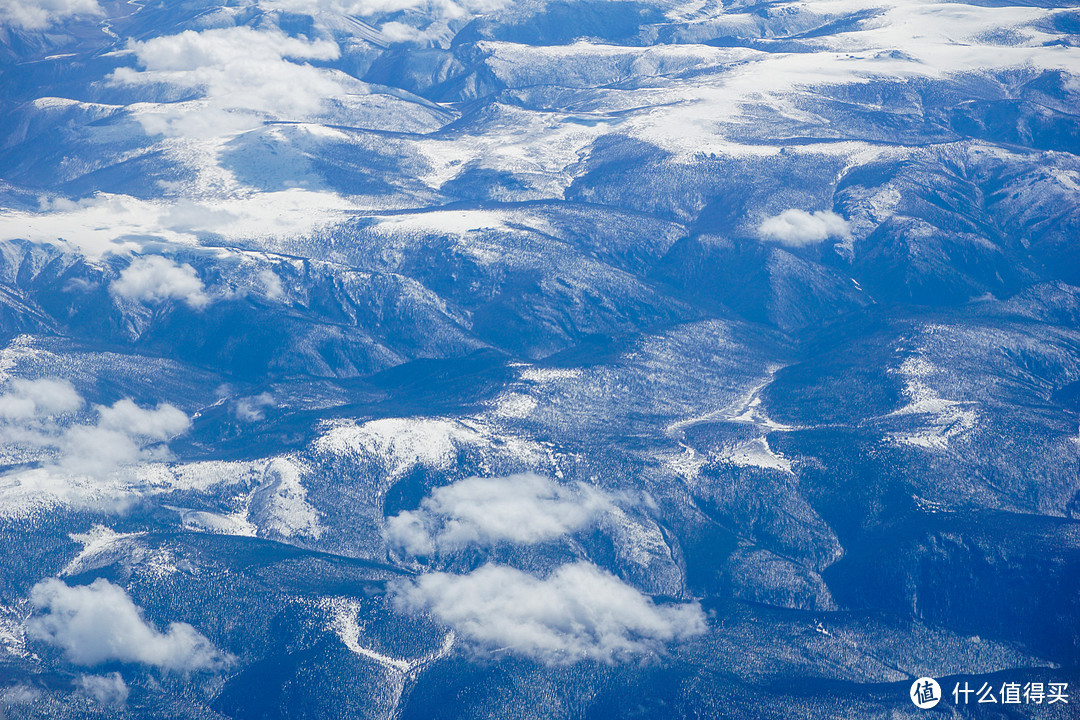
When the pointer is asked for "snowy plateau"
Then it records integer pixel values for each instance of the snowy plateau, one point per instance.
(561, 359)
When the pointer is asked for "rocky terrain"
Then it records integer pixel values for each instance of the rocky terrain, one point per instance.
(537, 359)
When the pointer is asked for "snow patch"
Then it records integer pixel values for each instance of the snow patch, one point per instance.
(943, 420)
(399, 445)
(99, 548)
(514, 405)
(345, 624)
(756, 453)
(280, 507)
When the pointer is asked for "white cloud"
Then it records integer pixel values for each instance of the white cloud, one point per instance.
(526, 508)
(125, 434)
(33, 428)
(36, 398)
(159, 424)
(425, 20)
(106, 458)
(40, 14)
(187, 216)
(94, 226)
(399, 32)
(252, 409)
(244, 75)
(366, 8)
(154, 278)
(578, 612)
(271, 284)
(107, 224)
(798, 228)
(106, 689)
(341, 7)
(99, 623)
(19, 695)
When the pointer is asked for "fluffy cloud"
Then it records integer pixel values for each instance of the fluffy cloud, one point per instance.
(454, 9)
(124, 434)
(154, 278)
(271, 284)
(40, 14)
(526, 508)
(36, 398)
(243, 74)
(19, 695)
(32, 421)
(798, 228)
(253, 409)
(425, 20)
(156, 425)
(107, 224)
(106, 689)
(578, 612)
(362, 8)
(99, 623)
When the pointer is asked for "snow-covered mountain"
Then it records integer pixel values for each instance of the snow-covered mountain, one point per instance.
(547, 359)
